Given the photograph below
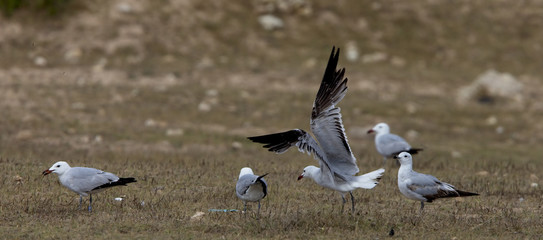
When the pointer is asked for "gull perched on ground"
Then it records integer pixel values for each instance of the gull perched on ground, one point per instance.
(85, 181)
(251, 188)
(337, 162)
(390, 145)
(423, 187)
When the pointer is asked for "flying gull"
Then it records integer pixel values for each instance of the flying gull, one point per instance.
(336, 160)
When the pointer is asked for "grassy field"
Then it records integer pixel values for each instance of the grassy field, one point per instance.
(177, 120)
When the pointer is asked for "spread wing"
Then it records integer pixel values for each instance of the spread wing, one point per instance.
(326, 123)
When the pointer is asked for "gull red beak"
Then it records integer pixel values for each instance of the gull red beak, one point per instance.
(370, 131)
(46, 172)
(300, 177)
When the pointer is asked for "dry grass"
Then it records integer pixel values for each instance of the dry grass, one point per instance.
(117, 119)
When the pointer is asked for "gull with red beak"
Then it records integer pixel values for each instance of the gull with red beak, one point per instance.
(390, 145)
(337, 162)
(85, 181)
(423, 187)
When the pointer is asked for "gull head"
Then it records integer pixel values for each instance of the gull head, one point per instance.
(308, 172)
(404, 158)
(58, 168)
(245, 171)
(381, 128)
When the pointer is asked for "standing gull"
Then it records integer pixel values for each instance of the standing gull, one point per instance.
(423, 187)
(337, 162)
(251, 188)
(85, 181)
(390, 145)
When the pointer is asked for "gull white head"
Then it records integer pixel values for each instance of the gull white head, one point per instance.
(309, 171)
(404, 158)
(58, 168)
(245, 171)
(381, 128)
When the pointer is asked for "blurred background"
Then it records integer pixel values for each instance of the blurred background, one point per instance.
(479, 55)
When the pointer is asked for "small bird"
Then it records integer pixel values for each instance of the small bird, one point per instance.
(390, 145)
(85, 181)
(337, 162)
(423, 187)
(251, 188)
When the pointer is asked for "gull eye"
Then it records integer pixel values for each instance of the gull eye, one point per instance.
(58, 165)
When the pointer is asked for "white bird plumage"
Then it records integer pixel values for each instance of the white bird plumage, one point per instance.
(423, 187)
(337, 162)
(85, 181)
(250, 187)
(388, 144)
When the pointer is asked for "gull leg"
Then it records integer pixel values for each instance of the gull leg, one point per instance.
(80, 201)
(258, 214)
(90, 203)
(421, 205)
(344, 201)
(245, 207)
(352, 200)
(384, 162)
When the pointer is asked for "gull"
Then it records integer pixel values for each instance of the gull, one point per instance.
(390, 145)
(336, 160)
(85, 181)
(251, 188)
(423, 187)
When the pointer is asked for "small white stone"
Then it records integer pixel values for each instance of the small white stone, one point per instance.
(492, 120)
(197, 216)
(374, 57)
(124, 7)
(236, 145)
(118, 199)
(40, 61)
(150, 123)
(212, 92)
(204, 107)
(175, 132)
(73, 55)
(352, 52)
(500, 130)
(534, 184)
(456, 154)
(270, 22)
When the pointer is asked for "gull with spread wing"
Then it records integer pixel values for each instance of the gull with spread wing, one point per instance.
(337, 162)
(423, 187)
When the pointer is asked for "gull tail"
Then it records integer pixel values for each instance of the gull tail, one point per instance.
(414, 151)
(120, 182)
(369, 180)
